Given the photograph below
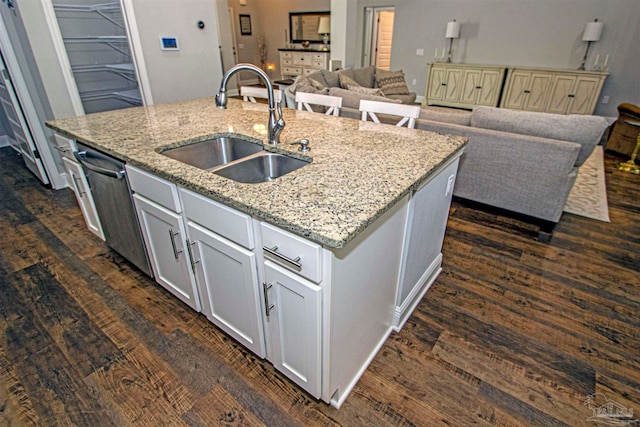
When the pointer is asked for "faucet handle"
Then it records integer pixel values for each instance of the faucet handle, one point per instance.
(304, 145)
(279, 108)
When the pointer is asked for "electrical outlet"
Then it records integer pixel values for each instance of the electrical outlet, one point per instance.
(413, 82)
(240, 45)
(605, 99)
(420, 52)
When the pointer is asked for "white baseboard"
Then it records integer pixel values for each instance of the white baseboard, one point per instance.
(418, 291)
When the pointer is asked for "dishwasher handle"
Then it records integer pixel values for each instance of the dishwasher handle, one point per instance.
(82, 156)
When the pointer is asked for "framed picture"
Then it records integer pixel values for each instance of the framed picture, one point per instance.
(245, 25)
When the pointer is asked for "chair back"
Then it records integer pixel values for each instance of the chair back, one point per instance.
(407, 113)
(250, 93)
(304, 100)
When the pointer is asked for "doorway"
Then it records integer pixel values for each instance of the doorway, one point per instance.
(378, 36)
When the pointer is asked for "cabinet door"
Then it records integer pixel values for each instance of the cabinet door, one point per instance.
(294, 309)
(537, 93)
(561, 93)
(228, 281)
(585, 95)
(165, 237)
(453, 87)
(490, 85)
(517, 89)
(471, 86)
(80, 186)
(435, 91)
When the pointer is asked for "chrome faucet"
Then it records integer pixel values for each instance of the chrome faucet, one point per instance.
(276, 125)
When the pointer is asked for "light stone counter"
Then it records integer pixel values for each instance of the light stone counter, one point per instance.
(358, 170)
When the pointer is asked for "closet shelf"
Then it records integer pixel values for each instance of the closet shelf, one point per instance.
(131, 96)
(126, 71)
(100, 9)
(107, 40)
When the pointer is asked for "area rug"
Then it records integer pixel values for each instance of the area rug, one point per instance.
(588, 197)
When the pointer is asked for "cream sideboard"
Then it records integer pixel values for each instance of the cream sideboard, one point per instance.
(295, 63)
(463, 85)
(552, 91)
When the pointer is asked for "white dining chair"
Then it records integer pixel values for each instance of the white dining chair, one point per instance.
(408, 113)
(304, 100)
(250, 93)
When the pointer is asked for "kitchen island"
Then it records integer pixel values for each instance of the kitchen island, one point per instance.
(363, 223)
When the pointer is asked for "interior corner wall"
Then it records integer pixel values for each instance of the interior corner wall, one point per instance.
(541, 33)
(193, 71)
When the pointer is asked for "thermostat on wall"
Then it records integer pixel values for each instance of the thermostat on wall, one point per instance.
(169, 43)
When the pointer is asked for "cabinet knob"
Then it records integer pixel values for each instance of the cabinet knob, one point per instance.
(571, 95)
(443, 84)
(478, 87)
(527, 91)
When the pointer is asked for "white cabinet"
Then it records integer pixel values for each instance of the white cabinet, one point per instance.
(228, 280)
(166, 239)
(293, 307)
(463, 85)
(77, 182)
(552, 91)
(298, 63)
(79, 185)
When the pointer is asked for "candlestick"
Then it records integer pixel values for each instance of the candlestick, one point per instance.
(595, 64)
(606, 61)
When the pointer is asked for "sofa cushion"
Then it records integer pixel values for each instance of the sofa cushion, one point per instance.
(583, 129)
(346, 81)
(409, 98)
(347, 72)
(392, 82)
(316, 76)
(351, 99)
(365, 76)
(462, 118)
(365, 90)
(331, 78)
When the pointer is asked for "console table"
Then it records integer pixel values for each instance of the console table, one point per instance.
(518, 88)
(296, 62)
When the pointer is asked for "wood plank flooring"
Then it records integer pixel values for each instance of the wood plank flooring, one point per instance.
(513, 333)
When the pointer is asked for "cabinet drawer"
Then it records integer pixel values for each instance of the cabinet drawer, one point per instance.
(227, 222)
(302, 58)
(319, 56)
(287, 62)
(307, 255)
(292, 71)
(65, 146)
(154, 188)
(286, 54)
(317, 64)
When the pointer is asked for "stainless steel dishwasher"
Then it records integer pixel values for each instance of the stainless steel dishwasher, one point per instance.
(112, 197)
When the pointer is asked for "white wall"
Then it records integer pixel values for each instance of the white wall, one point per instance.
(194, 71)
(545, 33)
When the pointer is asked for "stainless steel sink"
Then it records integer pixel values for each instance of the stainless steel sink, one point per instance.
(262, 167)
(213, 152)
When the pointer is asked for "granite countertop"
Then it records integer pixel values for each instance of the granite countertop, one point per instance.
(358, 170)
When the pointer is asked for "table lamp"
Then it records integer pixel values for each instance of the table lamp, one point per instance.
(453, 32)
(592, 32)
(324, 28)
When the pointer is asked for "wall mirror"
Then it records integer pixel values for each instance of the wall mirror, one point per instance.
(303, 26)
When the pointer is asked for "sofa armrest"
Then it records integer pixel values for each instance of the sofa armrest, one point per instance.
(525, 174)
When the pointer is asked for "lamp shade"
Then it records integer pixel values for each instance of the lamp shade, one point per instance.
(453, 30)
(324, 25)
(592, 31)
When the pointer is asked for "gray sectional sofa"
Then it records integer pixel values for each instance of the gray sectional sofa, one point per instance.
(329, 83)
(524, 162)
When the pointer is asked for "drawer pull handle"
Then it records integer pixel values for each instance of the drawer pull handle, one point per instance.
(274, 251)
(191, 258)
(60, 149)
(267, 307)
(527, 91)
(173, 243)
(75, 181)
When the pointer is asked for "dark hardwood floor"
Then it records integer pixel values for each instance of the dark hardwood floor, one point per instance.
(514, 331)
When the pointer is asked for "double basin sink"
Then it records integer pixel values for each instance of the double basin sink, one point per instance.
(236, 159)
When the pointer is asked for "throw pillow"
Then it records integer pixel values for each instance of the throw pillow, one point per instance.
(346, 81)
(331, 77)
(392, 83)
(316, 84)
(365, 90)
(365, 76)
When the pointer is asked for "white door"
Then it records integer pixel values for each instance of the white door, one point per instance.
(293, 307)
(378, 36)
(165, 238)
(21, 132)
(80, 186)
(228, 281)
